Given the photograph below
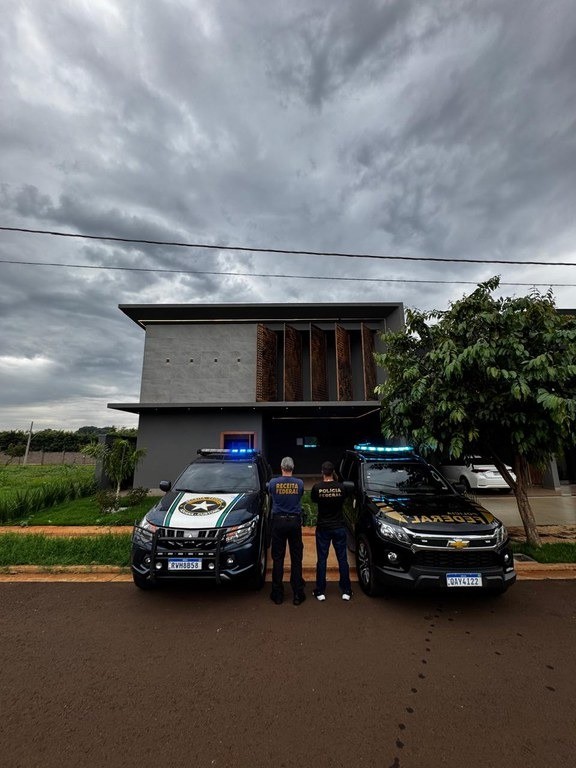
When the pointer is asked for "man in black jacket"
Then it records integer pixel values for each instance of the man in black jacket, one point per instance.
(329, 495)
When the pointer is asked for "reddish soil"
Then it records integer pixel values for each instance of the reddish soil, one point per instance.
(103, 675)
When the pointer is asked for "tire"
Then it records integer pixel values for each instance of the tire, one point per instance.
(257, 578)
(367, 577)
(467, 487)
(142, 582)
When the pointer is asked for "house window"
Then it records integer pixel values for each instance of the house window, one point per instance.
(238, 440)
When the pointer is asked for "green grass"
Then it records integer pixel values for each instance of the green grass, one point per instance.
(554, 552)
(86, 512)
(24, 491)
(17, 478)
(35, 549)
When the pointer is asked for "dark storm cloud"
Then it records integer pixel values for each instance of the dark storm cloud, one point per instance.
(415, 128)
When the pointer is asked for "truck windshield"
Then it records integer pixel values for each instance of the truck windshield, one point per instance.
(403, 478)
(218, 477)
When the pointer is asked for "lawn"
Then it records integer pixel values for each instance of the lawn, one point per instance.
(36, 549)
(15, 478)
(553, 552)
(86, 512)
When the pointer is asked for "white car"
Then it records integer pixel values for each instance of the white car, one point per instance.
(476, 473)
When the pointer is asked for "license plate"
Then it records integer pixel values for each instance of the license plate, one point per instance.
(185, 564)
(463, 580)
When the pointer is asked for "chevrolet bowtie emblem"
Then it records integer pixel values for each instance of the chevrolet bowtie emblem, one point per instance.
(458, 543)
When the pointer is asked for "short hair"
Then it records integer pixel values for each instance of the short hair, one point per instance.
(327, 468)
(287, 464)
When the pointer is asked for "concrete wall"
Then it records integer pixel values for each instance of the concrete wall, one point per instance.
(172, 440)
(49, 457)
(204, 363)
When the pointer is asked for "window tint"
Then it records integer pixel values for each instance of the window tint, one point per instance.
(403, 478)
(218, 477)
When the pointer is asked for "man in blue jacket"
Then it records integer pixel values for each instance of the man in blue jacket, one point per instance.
(286, 493)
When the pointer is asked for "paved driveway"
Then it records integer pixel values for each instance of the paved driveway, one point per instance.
(105, 675)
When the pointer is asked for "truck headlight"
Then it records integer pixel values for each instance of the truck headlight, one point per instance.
(238, 534)
(392, 532)
(144, 531)
(501, 534)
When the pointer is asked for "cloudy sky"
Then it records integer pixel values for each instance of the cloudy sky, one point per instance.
(432, 129)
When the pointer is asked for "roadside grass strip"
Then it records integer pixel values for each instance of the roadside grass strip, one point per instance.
(18, 502)
(85, 511)
(553, 552)
(37, 549)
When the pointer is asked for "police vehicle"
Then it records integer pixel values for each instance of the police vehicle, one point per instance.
(410, 527)
(212, 523)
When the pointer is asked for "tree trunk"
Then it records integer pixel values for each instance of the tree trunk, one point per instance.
(521, 492)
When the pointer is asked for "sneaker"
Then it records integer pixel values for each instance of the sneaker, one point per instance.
(346, 596)
(319, 595)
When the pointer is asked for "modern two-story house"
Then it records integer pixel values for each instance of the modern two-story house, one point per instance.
(288, 379)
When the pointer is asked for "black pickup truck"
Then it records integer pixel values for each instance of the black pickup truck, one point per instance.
(410, 527)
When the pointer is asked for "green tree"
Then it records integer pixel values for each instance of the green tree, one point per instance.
(119, 460)
(492, 373)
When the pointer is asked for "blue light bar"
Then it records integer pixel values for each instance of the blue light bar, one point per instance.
(226, 451)
(368, 448)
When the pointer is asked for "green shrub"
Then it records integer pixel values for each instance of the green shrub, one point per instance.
(106, 502)
(22, 503)
(134, 497)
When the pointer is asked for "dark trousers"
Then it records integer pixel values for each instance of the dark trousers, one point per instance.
(336, 537)
(287, 529)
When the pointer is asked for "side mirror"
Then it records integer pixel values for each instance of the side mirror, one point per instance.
(349, 487)
(165, 485)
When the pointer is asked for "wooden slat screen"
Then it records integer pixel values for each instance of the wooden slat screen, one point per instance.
(368, 362)
(293, 385)
(343, 364)
(318, 368)
(266, 362)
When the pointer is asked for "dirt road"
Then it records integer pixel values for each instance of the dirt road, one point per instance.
(105, 675)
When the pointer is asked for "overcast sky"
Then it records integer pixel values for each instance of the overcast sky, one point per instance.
(441, 128)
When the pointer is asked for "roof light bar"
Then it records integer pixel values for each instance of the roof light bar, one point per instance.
(226, 451)
(368, 448)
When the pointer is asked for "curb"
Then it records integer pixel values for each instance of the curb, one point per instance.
(106, 573)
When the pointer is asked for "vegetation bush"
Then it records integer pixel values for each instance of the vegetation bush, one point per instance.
(23, 502)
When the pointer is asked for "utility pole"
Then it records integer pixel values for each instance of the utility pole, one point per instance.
(28, 443)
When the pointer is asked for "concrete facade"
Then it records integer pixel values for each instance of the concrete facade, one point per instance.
(292, 379)
(199, 363)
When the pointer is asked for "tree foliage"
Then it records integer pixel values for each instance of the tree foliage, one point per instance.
(119, 458)
(58, 440)
(492, 373)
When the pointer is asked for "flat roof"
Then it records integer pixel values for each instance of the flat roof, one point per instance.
(143, 314)
(325, 409)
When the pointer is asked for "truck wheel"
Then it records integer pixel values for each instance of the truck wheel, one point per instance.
(258, 576)
(142, 582)
(365, 568)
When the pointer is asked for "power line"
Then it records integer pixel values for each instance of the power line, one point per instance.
(286, 251)
(266, 274)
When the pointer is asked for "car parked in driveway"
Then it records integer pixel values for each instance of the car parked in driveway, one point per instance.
(211, 524)
(410, 528)
(476, 473)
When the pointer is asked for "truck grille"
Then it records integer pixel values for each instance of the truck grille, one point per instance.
(472, 559)
(196, 542)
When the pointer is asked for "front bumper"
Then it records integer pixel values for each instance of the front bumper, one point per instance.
(416, 577)
(429, 568)
(157, 556)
